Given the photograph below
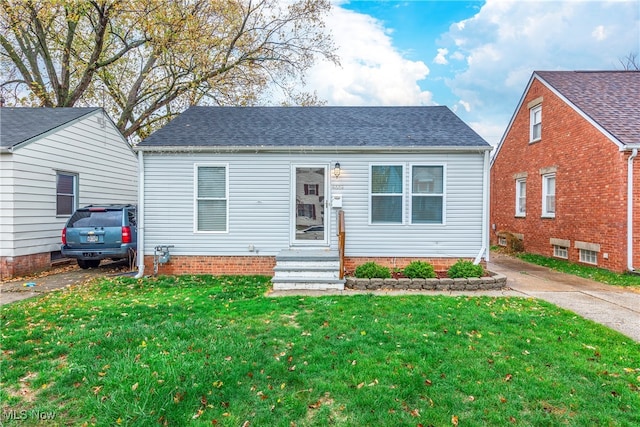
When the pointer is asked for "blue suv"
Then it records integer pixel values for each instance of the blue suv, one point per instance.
(98, 232)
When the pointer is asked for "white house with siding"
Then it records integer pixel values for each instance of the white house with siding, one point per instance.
(237, 190)
(53, 160)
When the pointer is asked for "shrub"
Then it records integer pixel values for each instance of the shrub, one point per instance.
(514, 245)
(419, 270)
(370, 270)
(465, 269)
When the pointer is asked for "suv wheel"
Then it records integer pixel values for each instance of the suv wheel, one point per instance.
(88, 263)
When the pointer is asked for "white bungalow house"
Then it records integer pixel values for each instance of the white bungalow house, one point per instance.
(53, 160)
(259, 190)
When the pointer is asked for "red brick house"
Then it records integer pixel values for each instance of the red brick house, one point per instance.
(565, 179)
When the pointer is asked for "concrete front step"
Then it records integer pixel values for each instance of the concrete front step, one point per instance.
(307, 269)
(290, 284)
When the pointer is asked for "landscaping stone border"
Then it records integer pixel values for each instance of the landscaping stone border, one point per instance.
(492, 282)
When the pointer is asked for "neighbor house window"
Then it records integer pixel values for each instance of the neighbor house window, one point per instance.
(535, 115)
(307, 210)
(549, 195)
(386, 194)
(311, 189)
(560, 252)
(66, 193)
(502, 241)
(211, 198)
(589, 257)
(521, 197)
(427, 194)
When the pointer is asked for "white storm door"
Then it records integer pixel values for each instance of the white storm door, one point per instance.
(310, 212)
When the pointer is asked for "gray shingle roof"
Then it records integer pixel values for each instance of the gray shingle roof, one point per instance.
(316, 127)
(19, 124)
(610, 98)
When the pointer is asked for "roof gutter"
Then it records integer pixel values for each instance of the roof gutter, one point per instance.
(634, 153)
(140, 254)
(309, 149)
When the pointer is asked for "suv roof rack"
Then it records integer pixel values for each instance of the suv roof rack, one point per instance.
(110, 205)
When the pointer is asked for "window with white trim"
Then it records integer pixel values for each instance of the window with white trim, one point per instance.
(502, 241)
(521, 197)
(66, 193)
(387, 194)
(560, 252)
(427, 194)
(423, 192)
(535, 118)
(588, 257)
(211, 213)
(549, 195)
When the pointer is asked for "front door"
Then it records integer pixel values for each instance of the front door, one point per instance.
(310, 215)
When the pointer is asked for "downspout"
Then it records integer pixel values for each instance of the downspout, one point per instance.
(485, 211)
(140, 216)
(633, 155)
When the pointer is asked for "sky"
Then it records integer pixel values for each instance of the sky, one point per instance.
(475, 57)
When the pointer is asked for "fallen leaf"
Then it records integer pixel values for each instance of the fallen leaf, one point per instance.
(454, 420)
(134, 387)
(315, 405)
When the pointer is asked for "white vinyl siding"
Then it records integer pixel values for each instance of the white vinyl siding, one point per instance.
(549, 195)
(535, 130)
(92, 149)
(521, 197)
(211, 198)
(259, 210)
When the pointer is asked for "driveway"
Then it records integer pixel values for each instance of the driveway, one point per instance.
(57, 278)
(613, 306)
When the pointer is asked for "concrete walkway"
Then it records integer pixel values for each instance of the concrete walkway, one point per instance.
(615, 307)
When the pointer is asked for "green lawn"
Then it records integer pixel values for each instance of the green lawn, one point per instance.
(201, 350)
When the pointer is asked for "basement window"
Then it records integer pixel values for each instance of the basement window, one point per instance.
(588, 257)
(560, 252)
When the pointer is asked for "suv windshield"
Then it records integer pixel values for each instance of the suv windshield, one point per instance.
(95, 219)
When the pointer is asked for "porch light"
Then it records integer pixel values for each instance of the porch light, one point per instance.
(336, 169)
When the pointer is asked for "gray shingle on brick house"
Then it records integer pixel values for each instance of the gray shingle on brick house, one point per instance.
(610, 98)
(564, 177)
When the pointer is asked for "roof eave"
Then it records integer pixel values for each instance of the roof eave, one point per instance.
(311, 149)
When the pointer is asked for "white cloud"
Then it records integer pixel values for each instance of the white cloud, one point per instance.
(599, 33)
(372, 71)
(507, 40)
(441, 57)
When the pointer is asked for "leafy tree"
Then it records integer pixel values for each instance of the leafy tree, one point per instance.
(147, 60)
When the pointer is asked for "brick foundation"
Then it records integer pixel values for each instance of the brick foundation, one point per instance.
(263, 265)
(216, 265)
(11, 267)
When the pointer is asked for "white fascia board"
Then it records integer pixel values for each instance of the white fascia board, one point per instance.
(309, 150)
